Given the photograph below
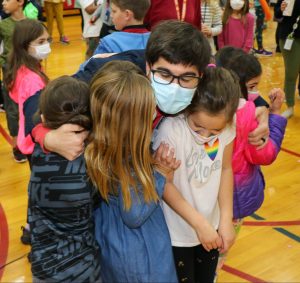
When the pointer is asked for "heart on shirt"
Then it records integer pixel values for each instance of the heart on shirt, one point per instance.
(212, 150)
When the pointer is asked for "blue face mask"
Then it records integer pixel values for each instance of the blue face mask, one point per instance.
(171, 98)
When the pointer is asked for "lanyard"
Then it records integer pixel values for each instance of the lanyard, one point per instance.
(295, 26)
(182, 18)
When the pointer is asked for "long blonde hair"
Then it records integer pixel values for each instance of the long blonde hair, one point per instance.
(118, 155)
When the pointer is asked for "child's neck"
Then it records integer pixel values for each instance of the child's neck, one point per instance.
(134, 22)
(236, 14)
(18, 15)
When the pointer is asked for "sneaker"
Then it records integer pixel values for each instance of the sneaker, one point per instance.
(64, 40)
(288, 113)
(25, 238)
(19, 156)
(262, 52)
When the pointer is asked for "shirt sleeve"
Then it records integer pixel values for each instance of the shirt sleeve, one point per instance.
(39, 133)
(216, 20)
(165, 133)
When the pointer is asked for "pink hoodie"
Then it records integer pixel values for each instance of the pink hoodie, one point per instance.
(27, 83)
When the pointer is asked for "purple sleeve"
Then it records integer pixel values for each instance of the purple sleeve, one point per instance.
(268, 154)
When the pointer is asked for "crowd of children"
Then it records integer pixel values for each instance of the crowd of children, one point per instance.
(142, 174)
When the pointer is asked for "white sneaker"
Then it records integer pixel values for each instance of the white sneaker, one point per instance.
(288, 113)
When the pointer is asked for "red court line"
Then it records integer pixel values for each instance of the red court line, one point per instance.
(290, 152)
(6, 135)
(3, 240)
(242, 274)
(272, 223)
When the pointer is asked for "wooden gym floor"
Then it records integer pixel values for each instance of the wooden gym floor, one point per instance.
(268, 246)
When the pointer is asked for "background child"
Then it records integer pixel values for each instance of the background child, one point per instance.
(238, 25)
(128, 17)
(63, 245)
(205, 176)
(211, 17)
(249, 182)
(91, 30)
(56, 8)
(7, 26)
(260, 19)
(24, 76)
(130, 226)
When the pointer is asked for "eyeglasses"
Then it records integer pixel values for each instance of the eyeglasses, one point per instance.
(166, 78)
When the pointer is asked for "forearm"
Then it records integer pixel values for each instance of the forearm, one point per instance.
(176, 201)
(225, 197)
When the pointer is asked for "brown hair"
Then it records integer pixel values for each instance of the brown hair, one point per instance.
(65, 100)
(169, 40)
(118, 155)
(228, 11)
(219, 91)
(25, 32)
(139, 8)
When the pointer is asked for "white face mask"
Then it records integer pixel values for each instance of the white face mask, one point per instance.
(41, 51)
(201, 139)
(237, 4)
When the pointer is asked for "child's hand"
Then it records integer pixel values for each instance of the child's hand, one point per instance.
(206, 30)
(208, 236)
(260, 135)
(165, 157)
(227, 234)
(283, 6)
(67, 140)
(276, 97)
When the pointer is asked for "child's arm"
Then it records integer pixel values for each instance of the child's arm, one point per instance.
(249, 34)
(67, 140)
(207, 235)
(96, 14)
(217, 20)
(261, 132)
(268, 154)
(225, 198)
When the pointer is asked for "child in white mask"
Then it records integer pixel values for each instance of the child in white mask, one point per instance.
(25, 76)
(238, 26)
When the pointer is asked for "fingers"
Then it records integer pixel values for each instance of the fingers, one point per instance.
(255, 137)
(71, 128)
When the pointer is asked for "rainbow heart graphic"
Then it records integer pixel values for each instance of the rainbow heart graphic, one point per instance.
(212, 151)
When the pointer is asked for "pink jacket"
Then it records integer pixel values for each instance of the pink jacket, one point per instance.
(248, 179)
(27, 83)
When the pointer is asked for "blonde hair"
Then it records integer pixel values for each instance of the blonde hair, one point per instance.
(118, 155)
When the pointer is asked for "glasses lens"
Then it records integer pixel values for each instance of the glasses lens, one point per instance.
(188, 81)
(162, 77)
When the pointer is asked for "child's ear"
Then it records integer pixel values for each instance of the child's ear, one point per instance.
(42, 118)
(129, 15)
(21, 2)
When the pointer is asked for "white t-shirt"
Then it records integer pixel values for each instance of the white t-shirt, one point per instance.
(89, 30)
(198, 177)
